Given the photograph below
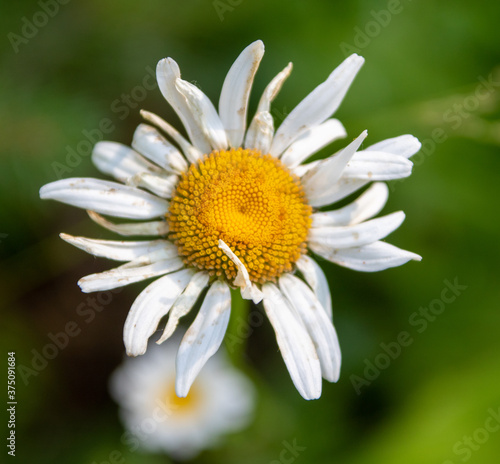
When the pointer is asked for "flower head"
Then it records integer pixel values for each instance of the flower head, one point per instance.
(221, 401)
(237, 207)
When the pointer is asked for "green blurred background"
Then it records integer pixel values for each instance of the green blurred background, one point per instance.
(431, 70)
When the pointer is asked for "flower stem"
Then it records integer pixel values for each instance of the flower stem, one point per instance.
(238, 328)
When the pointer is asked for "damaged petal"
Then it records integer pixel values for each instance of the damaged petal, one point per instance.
(249, 291)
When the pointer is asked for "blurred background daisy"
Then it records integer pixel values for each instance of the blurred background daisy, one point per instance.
(420, 378)
(221, 401)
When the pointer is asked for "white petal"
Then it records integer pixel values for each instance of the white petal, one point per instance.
(320, 104)
(318, 181)
(120, 250)
(190, 151)
(249, 291)
(127, 166)
(154, 256)
(312, 141)
(260, 133)
(125, 275)
(148, 141)
(294, 342)
(317, 323)
(357, 175)
(376, 165)
(316, 278)
(120, 161)
(149, 307)
(356, 235)
(204, 113)
(404, 145)
(343, 188)
(167, 72)
(369, 258)
(302, 169)
(364, 207)
(128, 229)
(184, 303)
(204, 337)
(159, 184)
(235, 92)
(105, 197)
(273, 88)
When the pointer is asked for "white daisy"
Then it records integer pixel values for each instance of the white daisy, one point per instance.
(235, 207)
(221, 401)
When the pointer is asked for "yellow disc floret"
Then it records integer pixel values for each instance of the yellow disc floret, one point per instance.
(248, 200)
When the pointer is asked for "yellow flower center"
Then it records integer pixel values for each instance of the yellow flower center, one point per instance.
(178, 405)
(251, 202)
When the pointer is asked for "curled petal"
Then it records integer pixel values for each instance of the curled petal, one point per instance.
(249, 291)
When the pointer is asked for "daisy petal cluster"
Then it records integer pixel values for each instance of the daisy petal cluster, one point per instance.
(235, 204)
(220, 402)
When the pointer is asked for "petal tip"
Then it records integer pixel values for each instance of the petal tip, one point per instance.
(181, 388)
(400, 216)
(44, 192)
(82, 283)
(415, 144)
(314, 395)
(258, 45)
(358, 58)
(132, 354)
(66, 237)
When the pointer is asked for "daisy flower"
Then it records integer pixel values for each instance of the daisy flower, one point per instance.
(236, 207)
(221, 401)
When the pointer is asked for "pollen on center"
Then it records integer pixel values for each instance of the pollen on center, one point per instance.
(250, 201)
